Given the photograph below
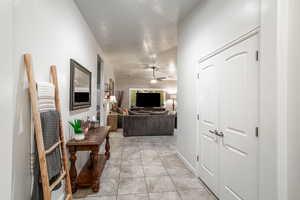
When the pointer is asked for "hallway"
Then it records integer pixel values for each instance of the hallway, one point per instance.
(145, 168)
(226, 71)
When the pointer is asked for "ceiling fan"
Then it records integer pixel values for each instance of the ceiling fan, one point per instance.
(156, 79)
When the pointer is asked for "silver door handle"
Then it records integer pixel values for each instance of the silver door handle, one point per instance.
(220, 134)
(214, 133)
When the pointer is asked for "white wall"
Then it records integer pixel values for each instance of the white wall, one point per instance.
(211, 25)
(125, 84)
(6, 100)
(53, 31)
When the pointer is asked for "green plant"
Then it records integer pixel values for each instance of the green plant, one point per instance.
(76, 124)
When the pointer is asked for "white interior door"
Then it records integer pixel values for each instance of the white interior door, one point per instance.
(208, 123)
(228, 103)
(238, 122)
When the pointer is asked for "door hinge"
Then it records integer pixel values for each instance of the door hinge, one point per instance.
(257, 55)
(197, 158)
(198, 117)
(257, 131)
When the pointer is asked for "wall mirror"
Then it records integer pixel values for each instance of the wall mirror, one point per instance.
(80, 86)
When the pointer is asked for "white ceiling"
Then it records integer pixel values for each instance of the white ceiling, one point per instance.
(130, 32)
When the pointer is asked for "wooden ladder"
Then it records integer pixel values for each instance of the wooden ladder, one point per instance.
(47, 188)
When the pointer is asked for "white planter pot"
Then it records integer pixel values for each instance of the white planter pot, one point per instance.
(79, 136)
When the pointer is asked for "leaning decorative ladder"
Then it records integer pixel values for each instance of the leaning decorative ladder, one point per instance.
(47, 188)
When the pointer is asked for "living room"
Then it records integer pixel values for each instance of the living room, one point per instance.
(154, 110)
(147, 96)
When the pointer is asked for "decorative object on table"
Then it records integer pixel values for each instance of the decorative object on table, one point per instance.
(94, 123)
(78, 132)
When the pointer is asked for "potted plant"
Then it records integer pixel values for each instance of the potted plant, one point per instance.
(78, 132)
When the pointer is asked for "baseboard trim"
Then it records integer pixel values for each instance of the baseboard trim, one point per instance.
(187, 163)
(194, 171)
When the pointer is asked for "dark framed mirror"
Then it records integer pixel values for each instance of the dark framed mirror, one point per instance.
(80, 86)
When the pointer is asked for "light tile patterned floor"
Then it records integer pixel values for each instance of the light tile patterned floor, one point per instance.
(145, 168)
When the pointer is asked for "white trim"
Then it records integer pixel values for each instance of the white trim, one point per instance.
(230, 44)
(282, 60)
(187, 163)
(268, 152)
(198, 147)
(102, 93)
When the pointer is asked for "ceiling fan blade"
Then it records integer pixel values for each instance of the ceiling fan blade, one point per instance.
(171, 79)
(161, 78)
(148, 67)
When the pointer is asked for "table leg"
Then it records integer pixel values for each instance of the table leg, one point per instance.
(94, 160)
(73, 171)
(107, 148)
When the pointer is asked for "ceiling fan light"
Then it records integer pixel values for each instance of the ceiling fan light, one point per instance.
(153, 81)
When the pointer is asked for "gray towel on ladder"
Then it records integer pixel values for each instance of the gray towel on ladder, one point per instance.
(50, 129)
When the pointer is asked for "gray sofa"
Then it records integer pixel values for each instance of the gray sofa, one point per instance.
(148, 125)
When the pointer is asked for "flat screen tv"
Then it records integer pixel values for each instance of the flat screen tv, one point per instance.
(148, 100)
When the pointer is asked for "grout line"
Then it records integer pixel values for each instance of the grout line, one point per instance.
(120, 165)
(170, 177)
(144, 173)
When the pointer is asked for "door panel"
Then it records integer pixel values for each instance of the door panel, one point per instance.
(209, 122)
(229, 103)
(238, 122)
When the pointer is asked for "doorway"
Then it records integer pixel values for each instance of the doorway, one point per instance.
(99, 89)
(228, 124)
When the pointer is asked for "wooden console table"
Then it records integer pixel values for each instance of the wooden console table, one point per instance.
(92, 170)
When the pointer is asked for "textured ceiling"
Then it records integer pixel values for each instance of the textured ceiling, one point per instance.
(133, 32)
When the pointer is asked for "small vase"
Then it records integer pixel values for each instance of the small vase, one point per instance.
(79, 136)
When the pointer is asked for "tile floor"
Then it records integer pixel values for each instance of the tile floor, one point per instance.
(145, 168)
